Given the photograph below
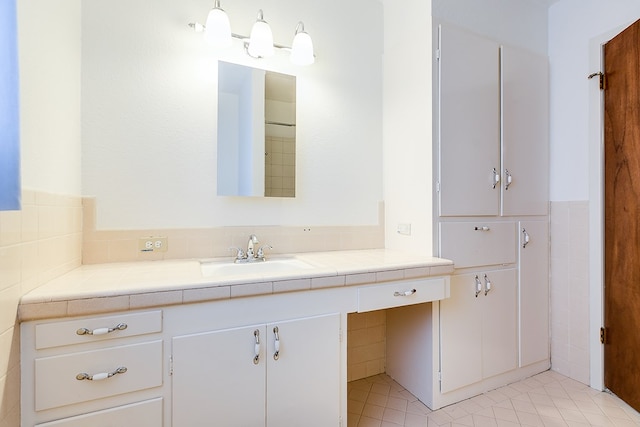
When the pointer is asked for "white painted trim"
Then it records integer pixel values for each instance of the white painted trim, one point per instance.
(596, 208)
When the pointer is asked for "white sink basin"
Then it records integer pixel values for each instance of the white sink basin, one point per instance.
(273, 265)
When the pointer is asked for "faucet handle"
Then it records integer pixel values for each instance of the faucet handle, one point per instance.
(239, 252)
(261, 250)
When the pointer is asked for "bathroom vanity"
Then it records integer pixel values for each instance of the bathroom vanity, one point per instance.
(150, 344)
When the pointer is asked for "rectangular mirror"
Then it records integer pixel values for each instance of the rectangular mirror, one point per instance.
(256, 132)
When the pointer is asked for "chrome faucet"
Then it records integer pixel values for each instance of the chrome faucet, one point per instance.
(251, 255)
(253, 239)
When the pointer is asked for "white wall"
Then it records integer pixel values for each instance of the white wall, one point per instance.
(149, 114)
(572, 24)
(49, 61)
(407, 124)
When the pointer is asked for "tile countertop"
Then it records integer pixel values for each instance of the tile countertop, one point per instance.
(101, 288)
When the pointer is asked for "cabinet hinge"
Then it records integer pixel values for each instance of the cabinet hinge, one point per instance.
(437, 54)
(437, 186)
(170, 365)
(603, 335)
(440, 376)
(340, 335)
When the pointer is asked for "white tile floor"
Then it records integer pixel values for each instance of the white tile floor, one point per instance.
(547, 399)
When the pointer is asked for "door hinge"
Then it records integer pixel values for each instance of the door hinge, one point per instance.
(603, 335)
(602, 78)
(170, 365)
(340, 335)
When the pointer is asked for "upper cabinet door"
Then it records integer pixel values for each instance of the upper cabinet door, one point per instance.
(525, 127)
(469, 124)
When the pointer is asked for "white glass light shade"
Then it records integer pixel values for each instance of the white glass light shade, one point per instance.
(261, 39)
(302, 49)
(217, 28)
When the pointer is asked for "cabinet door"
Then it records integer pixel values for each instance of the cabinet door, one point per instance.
(534, 292)
(303, 380)
(215, 380)
(525, 138)
(478, 334)
(461, 335)
(469, 124)
(499, 323)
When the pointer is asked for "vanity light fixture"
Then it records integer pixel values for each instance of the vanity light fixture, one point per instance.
(217, 32)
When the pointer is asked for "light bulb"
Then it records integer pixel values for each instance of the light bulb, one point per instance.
(217, 28)
(302, 47)
(261, 39)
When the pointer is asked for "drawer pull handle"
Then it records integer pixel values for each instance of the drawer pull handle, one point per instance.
(525, 238)
(405, 293)
(276, 344)
(100, 376)
(483, 228)
(487, 285)
(256, 348)
(101, 331)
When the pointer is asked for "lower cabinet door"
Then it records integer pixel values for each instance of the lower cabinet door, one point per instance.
(141, 414)
(303, 378)
(219, 378)
(478, 328)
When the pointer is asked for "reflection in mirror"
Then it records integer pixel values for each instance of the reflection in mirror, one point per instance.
(256, 132)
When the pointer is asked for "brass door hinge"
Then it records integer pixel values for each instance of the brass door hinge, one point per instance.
(603, 335)
(601, 77)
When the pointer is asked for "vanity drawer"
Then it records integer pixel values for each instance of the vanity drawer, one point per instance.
(406, 292)
(473, 244)
(140, 414)
(79, 331)
(56, 383)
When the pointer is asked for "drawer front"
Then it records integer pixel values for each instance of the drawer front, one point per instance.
(472, 244)
(97, 329)
(56, 383)
(141, 414)
(406, 292)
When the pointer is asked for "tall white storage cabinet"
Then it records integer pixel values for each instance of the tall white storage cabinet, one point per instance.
(491, 173)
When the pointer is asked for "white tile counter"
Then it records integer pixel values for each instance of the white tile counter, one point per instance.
(101, 288)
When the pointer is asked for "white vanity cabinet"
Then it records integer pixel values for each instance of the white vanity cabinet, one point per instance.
(478, 328)
(106, 368)
(287, 373)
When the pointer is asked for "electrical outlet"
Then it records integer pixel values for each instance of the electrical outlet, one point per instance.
(153, 244)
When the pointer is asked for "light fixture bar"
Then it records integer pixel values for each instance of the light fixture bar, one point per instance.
(259, 44)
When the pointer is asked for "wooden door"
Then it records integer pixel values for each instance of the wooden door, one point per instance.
(622, 215)
(215, 380)
(469, 124)
(303, 380)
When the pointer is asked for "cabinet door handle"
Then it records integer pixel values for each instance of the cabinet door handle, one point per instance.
(525, 238)
(101, 331)
(256, 348)
(100, 376)
(487, 285)
(496, 178)
(405, 293)
(508, 179)
(478, 286)
(276, 344)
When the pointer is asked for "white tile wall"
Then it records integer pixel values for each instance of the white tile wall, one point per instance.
(570, 289)
(37, 243)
